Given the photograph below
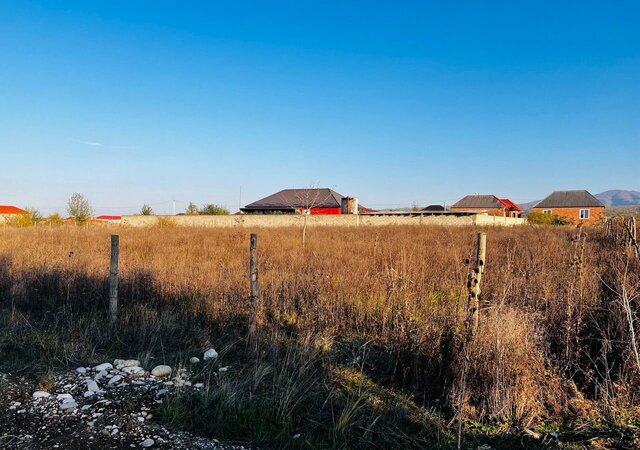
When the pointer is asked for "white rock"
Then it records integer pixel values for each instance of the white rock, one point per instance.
(198, 385)
(69, 405)
(133, 370)
(63, 396)
(103, 366)
(81, 370)
(210, 354)
(122, 363)
(194, 360)
(92, 386)
(115, 379)
(148, 443)
(68, 400)
(41, 394)
(89, 394)
(161, 371)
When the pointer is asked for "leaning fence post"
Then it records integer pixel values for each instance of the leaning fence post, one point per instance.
(113, 277)
(475, 279)
(253, 278)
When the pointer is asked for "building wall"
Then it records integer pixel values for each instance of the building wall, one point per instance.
(492, 211)
(573, 214)
(325, 211)
(7, 218)
(269, 220)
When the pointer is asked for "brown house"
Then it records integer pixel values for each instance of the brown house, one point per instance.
(490, 204)
(575, 206)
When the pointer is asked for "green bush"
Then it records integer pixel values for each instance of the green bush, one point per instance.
(211, 209)
(32, 217)
(146, 210)
(540, 218)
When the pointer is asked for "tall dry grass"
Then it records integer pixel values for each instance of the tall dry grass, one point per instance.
(370, 318)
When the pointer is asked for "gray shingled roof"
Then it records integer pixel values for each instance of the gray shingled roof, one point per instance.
(570, 199)
(479, 201)
(298, 198)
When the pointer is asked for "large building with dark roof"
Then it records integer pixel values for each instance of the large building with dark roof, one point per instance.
(490, 204)
(575, 206)
(304, 201)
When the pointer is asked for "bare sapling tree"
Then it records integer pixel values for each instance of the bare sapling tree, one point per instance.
(305, 201)
(627, 294)
(575, 294)
(79, 208)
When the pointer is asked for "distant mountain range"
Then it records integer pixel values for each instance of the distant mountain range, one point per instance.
(614, 197)
(618, 197)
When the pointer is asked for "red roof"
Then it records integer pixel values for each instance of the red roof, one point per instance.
(11, 210)
(108, 217)
(509, 204)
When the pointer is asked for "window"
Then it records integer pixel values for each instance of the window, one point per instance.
(584, 214)
(546, 211)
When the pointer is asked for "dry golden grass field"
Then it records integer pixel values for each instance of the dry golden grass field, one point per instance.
(360, 332)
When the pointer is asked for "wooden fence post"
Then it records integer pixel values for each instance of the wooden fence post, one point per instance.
(471, 325)
(113, 277)
(474, 282)
(253, 278)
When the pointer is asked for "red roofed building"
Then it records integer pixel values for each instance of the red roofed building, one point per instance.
(5, 210)
(109, 219)
(9, 213)
(490, 204)
(511, 209)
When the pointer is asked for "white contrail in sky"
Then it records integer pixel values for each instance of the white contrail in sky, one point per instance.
(99, 144)
(94, 144)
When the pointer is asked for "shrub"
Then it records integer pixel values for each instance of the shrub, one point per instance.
(540, 218)
(192, 209)
(31, 218)
(146, 210)
(211, 209)
(54, 220)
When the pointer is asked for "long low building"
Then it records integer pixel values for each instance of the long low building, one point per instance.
(321, 201)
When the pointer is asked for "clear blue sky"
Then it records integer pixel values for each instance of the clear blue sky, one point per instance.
(393, 102)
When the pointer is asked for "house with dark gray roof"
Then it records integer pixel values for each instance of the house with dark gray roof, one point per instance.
(577, 206)
(490, 204)
(297, 201)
